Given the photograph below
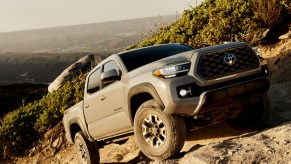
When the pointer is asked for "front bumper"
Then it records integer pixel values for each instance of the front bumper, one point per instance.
(231, 94)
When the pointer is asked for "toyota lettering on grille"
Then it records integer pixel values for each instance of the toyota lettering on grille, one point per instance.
(229, 58)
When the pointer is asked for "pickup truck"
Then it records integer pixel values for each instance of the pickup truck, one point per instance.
(158, 93)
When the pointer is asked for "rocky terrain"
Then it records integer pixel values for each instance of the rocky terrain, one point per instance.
(215, 144)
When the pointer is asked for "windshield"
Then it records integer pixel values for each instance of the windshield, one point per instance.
(139, 57)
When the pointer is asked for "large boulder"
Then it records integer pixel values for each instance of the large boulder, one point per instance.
(82, 65)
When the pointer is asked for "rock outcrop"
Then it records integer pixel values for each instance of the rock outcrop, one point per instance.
(82, 65)
(286, 36)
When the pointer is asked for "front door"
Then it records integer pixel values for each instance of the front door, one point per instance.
(110, 115)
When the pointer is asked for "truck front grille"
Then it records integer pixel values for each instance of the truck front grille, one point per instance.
(213, 65)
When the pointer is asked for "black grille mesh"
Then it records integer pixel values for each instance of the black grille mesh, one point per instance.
(211, 65)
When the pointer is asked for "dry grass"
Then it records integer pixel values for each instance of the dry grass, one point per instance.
(269, 11)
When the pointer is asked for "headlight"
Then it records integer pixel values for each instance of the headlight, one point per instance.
(173, 70)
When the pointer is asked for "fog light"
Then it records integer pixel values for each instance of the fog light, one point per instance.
(183, 92)
(266, 71)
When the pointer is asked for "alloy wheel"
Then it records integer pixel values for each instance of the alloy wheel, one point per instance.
(154, 131)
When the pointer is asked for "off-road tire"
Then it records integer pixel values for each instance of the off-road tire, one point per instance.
(87, 151)
(253, 116)
(173, 128)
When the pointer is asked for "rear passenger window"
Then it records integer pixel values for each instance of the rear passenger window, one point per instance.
(94, 81)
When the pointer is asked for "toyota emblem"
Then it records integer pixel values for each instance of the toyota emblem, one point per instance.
(229, 58)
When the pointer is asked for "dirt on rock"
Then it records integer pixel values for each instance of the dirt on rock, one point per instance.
(214, 144)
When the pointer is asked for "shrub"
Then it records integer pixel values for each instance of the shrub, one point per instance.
(287, 4)
(269, 11)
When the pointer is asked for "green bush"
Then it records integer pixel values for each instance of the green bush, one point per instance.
(18, 129)
(286, 4)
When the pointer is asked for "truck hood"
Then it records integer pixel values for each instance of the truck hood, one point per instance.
(176, 58)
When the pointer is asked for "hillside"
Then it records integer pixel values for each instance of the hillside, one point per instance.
(213, 22)
(16, 95)
(215, 144)
(217, 21)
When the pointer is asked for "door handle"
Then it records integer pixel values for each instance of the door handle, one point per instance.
(87, 106)
(103, 97)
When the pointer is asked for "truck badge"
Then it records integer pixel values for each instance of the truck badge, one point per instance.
(229, 58)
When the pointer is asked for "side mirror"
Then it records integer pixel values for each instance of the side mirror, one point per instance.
(110, 76)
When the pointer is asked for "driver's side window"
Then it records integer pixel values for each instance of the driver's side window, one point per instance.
(111, 65)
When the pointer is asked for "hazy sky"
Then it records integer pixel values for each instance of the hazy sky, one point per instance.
(32, 14)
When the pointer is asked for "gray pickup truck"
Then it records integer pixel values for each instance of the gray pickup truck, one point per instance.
(160, 92)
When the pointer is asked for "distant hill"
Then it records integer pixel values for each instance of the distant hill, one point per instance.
(101, 38)
(39, 56)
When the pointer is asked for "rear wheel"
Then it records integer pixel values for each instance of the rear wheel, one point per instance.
(87, 151)
(253, 116)
(159, 136)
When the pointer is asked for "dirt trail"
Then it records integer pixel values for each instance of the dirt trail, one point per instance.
(214, 144)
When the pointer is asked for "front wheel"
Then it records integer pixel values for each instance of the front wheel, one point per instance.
(87, 151)
(159, 136)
